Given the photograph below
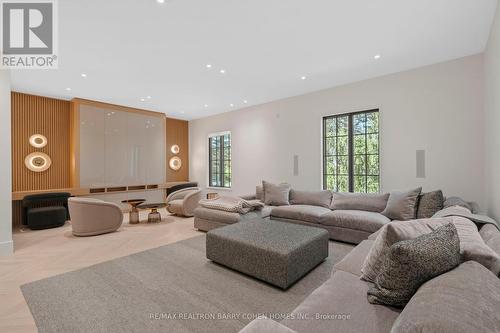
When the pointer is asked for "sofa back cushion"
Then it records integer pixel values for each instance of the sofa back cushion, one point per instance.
(465, 299)
(402, 205)
(429, 204)
(369, 202)
(313, 198)
(276, 194)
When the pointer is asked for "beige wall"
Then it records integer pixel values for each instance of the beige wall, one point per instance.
(6, 245)
(492, 118)
(438, 108)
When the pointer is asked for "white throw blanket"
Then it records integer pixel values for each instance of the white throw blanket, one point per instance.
(232, 204)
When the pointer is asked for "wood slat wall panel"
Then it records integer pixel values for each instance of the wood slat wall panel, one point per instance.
(47, 116)
(178, 133)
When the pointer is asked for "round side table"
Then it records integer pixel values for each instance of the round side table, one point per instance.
(134, 212)
(154, 216)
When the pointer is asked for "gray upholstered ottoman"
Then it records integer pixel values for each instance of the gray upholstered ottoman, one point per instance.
(279, 253)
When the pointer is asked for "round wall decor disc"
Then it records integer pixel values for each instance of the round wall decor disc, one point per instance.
(38, 162)
(175, 163)
(175, 149)
(38, 141)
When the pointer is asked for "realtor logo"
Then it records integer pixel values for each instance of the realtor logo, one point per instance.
(28, 34)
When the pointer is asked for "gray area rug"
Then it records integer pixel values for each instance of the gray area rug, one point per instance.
(173, 288)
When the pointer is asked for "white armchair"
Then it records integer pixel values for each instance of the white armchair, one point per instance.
(90, 217)
(183, 202)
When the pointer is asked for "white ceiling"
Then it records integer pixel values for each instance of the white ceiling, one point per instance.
(130, 49)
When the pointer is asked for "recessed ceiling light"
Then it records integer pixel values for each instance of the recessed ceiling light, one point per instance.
(83, 75)
(160, 1)
(68, 89)
(223, 71)
(182, 112)
(377, 56)
(208, 66)
(148, 97)
(303, 77)
(142, 99)
(206, 105)
(245, 101)
(231, 105)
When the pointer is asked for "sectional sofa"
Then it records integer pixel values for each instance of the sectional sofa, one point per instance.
(348, 217)
(465, 299)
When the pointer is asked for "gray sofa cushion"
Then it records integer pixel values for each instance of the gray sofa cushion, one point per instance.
(276, 194)
(355, 219)
(360, 201)
(429, 204)
(402, 205)
(229, 217)
(464, 300)
(410, 263)
(314, 198)
(344, 294)
(306, 213)
(491, 236)
(216, 215)
(353, 261)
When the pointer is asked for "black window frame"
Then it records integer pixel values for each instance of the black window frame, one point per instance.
(350, 150)
(222, 161)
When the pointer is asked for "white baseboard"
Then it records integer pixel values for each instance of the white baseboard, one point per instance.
(6, 248)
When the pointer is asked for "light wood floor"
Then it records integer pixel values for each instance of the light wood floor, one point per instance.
(45, 253)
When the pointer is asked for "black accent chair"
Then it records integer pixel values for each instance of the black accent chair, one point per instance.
(46, 210)
(174, 188)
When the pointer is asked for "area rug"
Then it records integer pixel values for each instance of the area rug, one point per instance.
(173, 288)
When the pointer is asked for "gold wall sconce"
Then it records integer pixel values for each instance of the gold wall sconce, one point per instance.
(175, 163)
(38, 162)
(175, 149)
(38, 141)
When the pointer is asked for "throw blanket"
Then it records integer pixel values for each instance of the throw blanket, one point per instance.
(232, 204)
(464, 212)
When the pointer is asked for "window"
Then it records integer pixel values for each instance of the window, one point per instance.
(219, 155)
(351, 152)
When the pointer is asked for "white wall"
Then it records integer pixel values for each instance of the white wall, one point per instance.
(6, 244)
(438, 108)
(492, 118)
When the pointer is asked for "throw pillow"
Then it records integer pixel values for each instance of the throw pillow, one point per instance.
(465, 299)
(410, 263)
(313, 198)
(472, 245)
(402, 205)
(276, 195)
(429, 204)
(370, 202)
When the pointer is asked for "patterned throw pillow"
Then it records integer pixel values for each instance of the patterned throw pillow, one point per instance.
(410, 263)
(429, 204)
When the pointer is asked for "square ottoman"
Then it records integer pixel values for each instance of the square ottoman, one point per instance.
(279, 253)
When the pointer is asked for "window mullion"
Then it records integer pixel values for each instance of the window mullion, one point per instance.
(221, 162)
(350, 151)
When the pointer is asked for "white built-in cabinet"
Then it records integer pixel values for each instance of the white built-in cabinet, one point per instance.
(120, 148)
